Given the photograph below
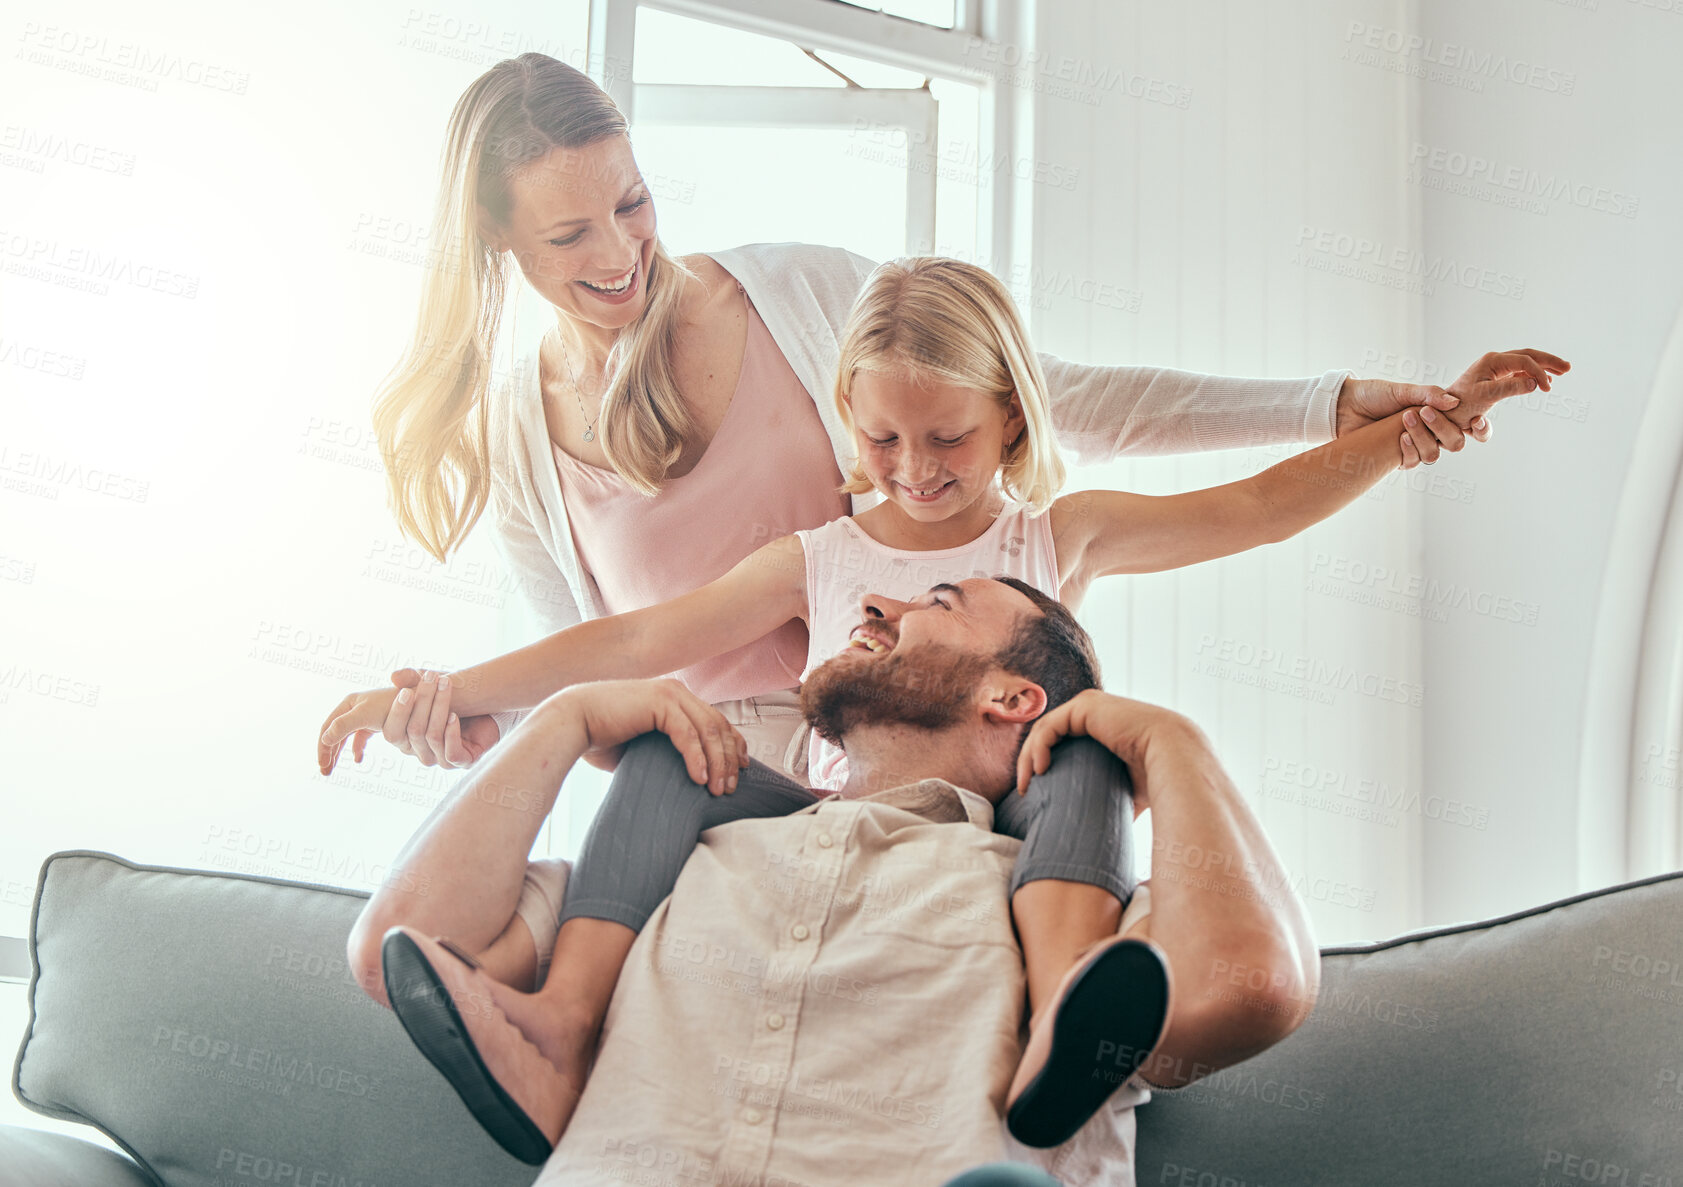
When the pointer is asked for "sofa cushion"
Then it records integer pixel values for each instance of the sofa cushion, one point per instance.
(208, 1024)
(35, 1158)
(1542, 1048)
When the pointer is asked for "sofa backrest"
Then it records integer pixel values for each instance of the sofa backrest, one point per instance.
(1544, 1048)
(208, 1024)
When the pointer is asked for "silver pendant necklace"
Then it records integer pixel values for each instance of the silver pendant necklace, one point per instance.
(589, 425)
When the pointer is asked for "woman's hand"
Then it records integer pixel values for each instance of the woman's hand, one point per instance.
(1440, 419)
(1126, 728)
(415, 717)
(428, 730)
(1363, 401)
(612, 712)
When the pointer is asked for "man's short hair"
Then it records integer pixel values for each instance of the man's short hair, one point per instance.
(1049, 648)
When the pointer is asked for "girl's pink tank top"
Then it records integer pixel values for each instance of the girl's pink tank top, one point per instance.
(843, 563)
(768, 472)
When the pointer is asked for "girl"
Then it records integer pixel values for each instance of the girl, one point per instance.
(949, 413)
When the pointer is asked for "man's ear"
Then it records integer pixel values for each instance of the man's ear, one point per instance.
(1012, 700)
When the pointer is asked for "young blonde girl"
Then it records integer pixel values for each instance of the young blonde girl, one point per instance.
(948, 408)
(940, 387)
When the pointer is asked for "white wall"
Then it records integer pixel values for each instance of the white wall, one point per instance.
(1221, 132)
(1327, 115)
(1603, 291)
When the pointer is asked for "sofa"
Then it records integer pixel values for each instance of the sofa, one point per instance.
(207, 1024)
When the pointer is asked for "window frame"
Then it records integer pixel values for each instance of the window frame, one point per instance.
(959, 54)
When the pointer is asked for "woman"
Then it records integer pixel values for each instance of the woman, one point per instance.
(676, 419)
(617, 477)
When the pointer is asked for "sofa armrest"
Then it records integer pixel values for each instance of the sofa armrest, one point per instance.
(36, 1158)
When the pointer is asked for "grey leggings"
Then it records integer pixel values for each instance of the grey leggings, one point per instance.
(1075, 822)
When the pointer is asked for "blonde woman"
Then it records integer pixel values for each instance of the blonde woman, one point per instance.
(678, 418)
(627, 472)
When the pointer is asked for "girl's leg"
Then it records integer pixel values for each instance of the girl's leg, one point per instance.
(1076, 869)
(640, 839)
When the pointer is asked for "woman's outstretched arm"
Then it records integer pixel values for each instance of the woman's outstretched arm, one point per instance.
(1104, 412)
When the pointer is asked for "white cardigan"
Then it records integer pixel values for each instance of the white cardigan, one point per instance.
(803, 292)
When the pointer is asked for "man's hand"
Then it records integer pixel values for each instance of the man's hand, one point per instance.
(1126, 728)
(609, 713)
(1446, 417)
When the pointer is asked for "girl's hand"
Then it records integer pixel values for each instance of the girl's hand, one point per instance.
(356, 717)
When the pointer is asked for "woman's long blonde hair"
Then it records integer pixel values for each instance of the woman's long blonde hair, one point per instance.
(430, 416)
(932, 318)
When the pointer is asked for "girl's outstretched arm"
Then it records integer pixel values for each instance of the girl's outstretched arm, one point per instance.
(1099, 532)
(766, 589)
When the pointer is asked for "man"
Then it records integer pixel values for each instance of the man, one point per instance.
(835, 995)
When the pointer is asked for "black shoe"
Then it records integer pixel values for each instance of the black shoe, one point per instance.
(1110, 1011)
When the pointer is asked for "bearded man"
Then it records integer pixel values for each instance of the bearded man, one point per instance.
(827, 989)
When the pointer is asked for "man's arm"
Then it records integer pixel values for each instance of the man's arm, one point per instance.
(479, 835)
(1243, 965)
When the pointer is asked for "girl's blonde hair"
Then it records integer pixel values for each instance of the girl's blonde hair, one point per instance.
(927, 318)
(430, 415)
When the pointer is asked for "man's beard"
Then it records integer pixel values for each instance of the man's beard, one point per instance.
(929, 689)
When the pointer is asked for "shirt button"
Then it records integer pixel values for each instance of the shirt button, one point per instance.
(775, 1021)
(753, 1116)
(824, 841)
(799, 931)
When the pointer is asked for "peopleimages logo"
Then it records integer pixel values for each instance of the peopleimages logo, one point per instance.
(1475, 63)
(1575, 1167)
(96, 55)
(1520, 181)
(261, 1168)
(282, 1069)
(1220, 656)
(1358, 256)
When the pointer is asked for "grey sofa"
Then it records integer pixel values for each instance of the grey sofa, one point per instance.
(206, 1022)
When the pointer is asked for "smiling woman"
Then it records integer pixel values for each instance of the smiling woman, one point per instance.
(634, 382)
(537, 167)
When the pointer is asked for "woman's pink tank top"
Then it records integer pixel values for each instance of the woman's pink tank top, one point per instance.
(843, 564)
(769, 471)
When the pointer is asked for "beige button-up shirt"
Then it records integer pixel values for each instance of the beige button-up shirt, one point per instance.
(833, 997)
